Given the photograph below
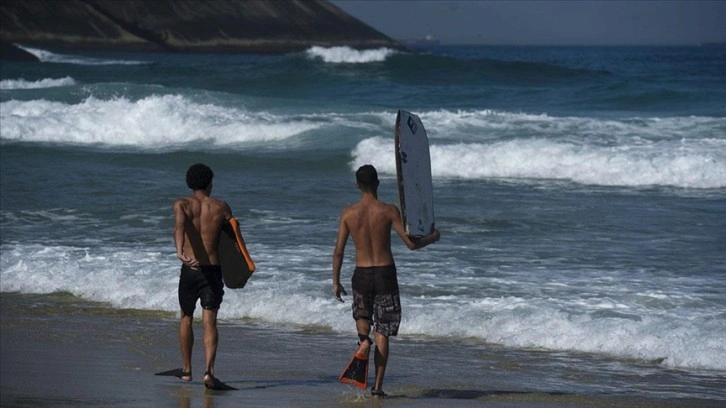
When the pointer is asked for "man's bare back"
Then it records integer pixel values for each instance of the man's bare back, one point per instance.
(198, 222)
(369, 223)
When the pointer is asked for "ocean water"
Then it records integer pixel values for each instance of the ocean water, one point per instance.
(580, 192)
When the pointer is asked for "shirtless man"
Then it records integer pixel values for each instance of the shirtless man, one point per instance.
(375, 284)
(198, 223)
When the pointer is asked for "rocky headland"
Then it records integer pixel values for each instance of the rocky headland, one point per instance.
(230, 26)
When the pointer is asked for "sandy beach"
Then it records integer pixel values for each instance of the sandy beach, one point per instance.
(60, 351)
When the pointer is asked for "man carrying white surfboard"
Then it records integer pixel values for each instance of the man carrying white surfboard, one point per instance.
(374, 282)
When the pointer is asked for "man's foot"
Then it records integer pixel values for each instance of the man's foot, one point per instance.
(185, 376)
(377, 393)
(212, 383)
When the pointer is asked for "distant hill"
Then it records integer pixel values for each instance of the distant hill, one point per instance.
(233, 26)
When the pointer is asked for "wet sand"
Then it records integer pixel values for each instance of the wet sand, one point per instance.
(59, 351)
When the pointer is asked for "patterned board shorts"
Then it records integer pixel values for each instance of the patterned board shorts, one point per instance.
(376, 298)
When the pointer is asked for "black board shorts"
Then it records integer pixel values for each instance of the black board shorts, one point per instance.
(376, 298)
(204, 284)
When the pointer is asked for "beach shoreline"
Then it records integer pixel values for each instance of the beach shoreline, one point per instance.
(58, 350)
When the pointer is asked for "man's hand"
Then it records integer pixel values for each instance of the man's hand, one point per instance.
(337, 290)
(420, 242)
(190, 262)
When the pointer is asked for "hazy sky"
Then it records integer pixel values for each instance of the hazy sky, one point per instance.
(546, 22)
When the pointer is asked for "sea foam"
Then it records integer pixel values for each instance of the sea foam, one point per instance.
(52, 57)
(10, 84)
(609, 152)
(146, 278)
(540, 159)
(153, 122)
(347, 55)
(685, 152)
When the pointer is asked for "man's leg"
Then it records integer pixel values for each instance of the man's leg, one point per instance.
(387, 318)
(186, 342)
(363, 327)
(211, 336)
(381, 360)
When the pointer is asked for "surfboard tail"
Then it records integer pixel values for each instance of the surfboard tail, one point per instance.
(356, 372)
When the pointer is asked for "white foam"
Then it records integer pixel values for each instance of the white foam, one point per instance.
(679, 341)
(157, 121)
(292, 288)
(348, 55)
(47, 56)
(9, 84)
(682, 151)
(686, 152)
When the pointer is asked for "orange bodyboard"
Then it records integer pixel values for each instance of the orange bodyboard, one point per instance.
(236, 262)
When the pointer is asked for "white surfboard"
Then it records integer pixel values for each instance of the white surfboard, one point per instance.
(413, 171)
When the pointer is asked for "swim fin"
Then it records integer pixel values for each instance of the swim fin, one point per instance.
(356, 373)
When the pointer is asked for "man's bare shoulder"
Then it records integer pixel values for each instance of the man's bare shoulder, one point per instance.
(220, 206)
(215, 204)
(389, 208)
(181, 202)
(349, 209)
(392, 210)
(217, 201)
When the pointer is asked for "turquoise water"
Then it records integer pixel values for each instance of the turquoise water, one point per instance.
(580, 192)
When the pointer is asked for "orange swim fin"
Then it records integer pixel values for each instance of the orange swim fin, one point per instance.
(356, 373)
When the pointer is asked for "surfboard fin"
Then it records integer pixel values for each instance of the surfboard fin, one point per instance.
(356, 373)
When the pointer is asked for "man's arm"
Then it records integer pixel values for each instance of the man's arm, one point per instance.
(338, 253)
(180, 219)
(416, 243)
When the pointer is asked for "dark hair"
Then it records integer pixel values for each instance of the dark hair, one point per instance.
(367, 177)
(199, 176)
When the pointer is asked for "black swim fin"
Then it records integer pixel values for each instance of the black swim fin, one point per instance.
(356, 373)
